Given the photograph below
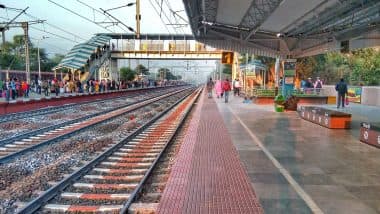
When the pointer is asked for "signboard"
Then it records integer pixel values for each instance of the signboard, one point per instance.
(354, 94)
(227, 57)
(289, 74)
(289, 80)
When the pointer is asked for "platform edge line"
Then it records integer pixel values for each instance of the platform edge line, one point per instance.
(301, 192)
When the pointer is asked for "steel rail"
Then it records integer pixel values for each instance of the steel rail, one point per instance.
(53, 109)
(139, 187)
(52, 127)
(58, 138)
(52, 192)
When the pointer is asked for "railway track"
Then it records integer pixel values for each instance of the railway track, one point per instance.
(111, 181)
(55, 109)
(21, 144)
(46, 123)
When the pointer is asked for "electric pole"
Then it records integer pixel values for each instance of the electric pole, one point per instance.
(25, 27)
(138, 18)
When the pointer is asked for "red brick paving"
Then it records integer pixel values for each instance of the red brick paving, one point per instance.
(207, 176)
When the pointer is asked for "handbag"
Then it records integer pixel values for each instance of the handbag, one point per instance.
(347, 101)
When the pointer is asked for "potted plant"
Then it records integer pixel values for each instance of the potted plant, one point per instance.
(279, 102)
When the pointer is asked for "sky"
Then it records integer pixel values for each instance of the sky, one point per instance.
(70, 29)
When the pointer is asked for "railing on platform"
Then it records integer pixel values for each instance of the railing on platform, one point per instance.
(307, 92)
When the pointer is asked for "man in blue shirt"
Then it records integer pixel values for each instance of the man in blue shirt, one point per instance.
(341, 88)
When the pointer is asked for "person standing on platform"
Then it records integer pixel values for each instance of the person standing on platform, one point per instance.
(236, 87)
(1, 88)
(342, 90)
(210, 85)
(318, 85)
(226, 89)
(218, 88)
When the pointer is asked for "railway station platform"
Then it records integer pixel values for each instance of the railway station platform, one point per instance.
(246, 158)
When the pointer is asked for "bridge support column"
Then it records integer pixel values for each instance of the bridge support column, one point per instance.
(115, 74)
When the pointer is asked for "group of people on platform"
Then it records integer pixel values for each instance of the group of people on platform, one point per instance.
(308, 86)
(223, 88)
(14, 88)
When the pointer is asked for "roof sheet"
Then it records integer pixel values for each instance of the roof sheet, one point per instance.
(79, 54)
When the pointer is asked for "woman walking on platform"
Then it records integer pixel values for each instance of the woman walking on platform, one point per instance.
(226, 89)
(218, 88)
(210, 85)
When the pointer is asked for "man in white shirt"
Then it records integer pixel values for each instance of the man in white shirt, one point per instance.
(236, 86)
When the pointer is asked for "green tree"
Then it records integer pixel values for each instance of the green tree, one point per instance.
(305, 67)
(141, 69)
(162, 72)
(127, 74)
(170, 76)
(12, 56)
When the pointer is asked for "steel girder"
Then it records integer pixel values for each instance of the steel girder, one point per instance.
(256, 15)
(345, 14)
(347, 19)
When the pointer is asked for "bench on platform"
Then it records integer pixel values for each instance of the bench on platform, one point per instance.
(370, 134)
(325, 117)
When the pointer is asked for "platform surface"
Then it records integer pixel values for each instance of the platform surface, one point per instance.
(296, 166)
(207, 176)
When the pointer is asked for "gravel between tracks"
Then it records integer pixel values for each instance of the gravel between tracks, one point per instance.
(25, 178)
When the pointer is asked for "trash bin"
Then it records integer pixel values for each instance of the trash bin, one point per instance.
(279, 102)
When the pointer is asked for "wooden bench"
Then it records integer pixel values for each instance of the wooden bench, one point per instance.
(370, 134)
(325, 117)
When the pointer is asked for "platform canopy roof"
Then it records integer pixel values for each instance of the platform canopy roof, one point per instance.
(286, 28)
(79, 54)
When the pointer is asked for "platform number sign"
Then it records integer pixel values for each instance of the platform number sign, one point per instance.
(227, 57)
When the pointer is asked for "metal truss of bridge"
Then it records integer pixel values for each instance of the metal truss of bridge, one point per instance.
(285, 28)
(161, 46)
(98, 56)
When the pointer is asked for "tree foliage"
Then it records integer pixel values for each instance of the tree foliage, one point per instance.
(141, 69)
(12, 56)
(361, 67)
(164, 73)
(127, 74)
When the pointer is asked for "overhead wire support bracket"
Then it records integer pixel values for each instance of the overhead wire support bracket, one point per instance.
(129, 28)
(127, 5)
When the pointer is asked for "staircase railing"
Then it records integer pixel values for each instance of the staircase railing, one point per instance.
(96, 64)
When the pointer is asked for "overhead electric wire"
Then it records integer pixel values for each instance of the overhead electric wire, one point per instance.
(168, 19)
(158, 13)
(100, 12)
(59, 36)
(50, 44)
(54, 26)
(175, 17)
(83, 17)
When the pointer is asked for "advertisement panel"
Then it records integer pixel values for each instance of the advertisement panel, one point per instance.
(354, 94)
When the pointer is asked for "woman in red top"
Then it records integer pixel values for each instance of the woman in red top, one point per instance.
(24, 88)
(226, 89)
